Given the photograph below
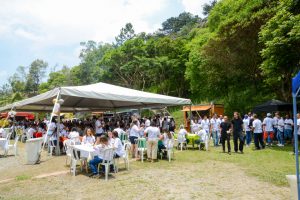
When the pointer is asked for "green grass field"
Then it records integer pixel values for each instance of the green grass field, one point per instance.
(270, 164)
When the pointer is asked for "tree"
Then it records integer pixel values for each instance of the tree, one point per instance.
(175, 24)
(126, 33)
(207, 7)
(281, 52)
(36, 73)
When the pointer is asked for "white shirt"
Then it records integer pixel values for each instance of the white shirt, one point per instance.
(51, 126)
(268, 123)
(98, 126)
(215, 124)
(246, 123)
(2, 132)
(147, 123)
(288, 123)
(205, 124)
(99, 150)
(31, 131)
(166, 140)
(134, 131)
(153, 133)
(119, 131)
(275, 122)
(88, 140)
(280, 124)
(181, 135)
(257, 125)
(119, 148)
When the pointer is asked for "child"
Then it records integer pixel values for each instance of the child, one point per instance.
(98, 158)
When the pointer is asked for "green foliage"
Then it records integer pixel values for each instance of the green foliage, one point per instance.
(281, 52)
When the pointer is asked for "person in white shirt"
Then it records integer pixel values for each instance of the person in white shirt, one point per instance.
(204, 138)
(280, 129)
(275, 127)
(258, 133)
(246, 122)
(182, 135)
(147, 122)
(134, 135)
(99, 127)
(215, 129)
(288, 128)
(74, 136)
(30, 132)
(2, 132)
(119, 130)
(152, 133)
(268, 124)
(88, 138)
(167, 142)
(99, 155)
(205, 124)
(119, 148)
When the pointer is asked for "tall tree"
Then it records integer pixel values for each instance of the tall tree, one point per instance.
(126, 33)
(36, 73)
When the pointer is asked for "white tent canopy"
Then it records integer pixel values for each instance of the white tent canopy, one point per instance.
(99, 96)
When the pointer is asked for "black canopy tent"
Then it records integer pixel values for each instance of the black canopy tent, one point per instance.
(272, 106)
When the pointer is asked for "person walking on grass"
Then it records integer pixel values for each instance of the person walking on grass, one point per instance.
(258, 133)
(225, 134)
(268, 124)
(237, 127)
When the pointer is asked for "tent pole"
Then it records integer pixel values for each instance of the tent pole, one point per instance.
(51, 117)
(296, 142)
(57, 152)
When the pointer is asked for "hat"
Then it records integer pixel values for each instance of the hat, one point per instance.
(269, 114)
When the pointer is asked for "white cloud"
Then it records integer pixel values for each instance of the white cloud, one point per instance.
(56, 22)
(194, 6)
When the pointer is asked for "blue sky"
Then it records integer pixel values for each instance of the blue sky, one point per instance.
(52, 29)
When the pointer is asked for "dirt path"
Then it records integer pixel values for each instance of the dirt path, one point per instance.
(205, 180)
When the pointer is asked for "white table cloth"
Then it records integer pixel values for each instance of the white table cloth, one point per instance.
(86, 151)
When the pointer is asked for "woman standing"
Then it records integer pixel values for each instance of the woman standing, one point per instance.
(152, 133)
(134, 135)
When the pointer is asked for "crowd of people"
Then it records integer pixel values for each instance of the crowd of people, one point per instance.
(243, 130)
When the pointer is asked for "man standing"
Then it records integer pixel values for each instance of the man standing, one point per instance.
(237, 127)
(258, 135)
(280, 128)
(268, 124)
(247, 130)
(215, 124)
(205, 124)
(275, 119)
(288, 128)
(99, 127)
(225, 134)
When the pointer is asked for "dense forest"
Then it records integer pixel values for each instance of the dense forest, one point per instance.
(241, 53)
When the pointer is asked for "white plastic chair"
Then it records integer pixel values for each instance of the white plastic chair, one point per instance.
(67, 147)
(125, 158)
(108, 159)
(51, 146)
(181, 141)
(141, 147)
(14, 146)
(169, 150)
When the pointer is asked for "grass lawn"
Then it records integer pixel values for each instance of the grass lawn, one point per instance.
(193, 174)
